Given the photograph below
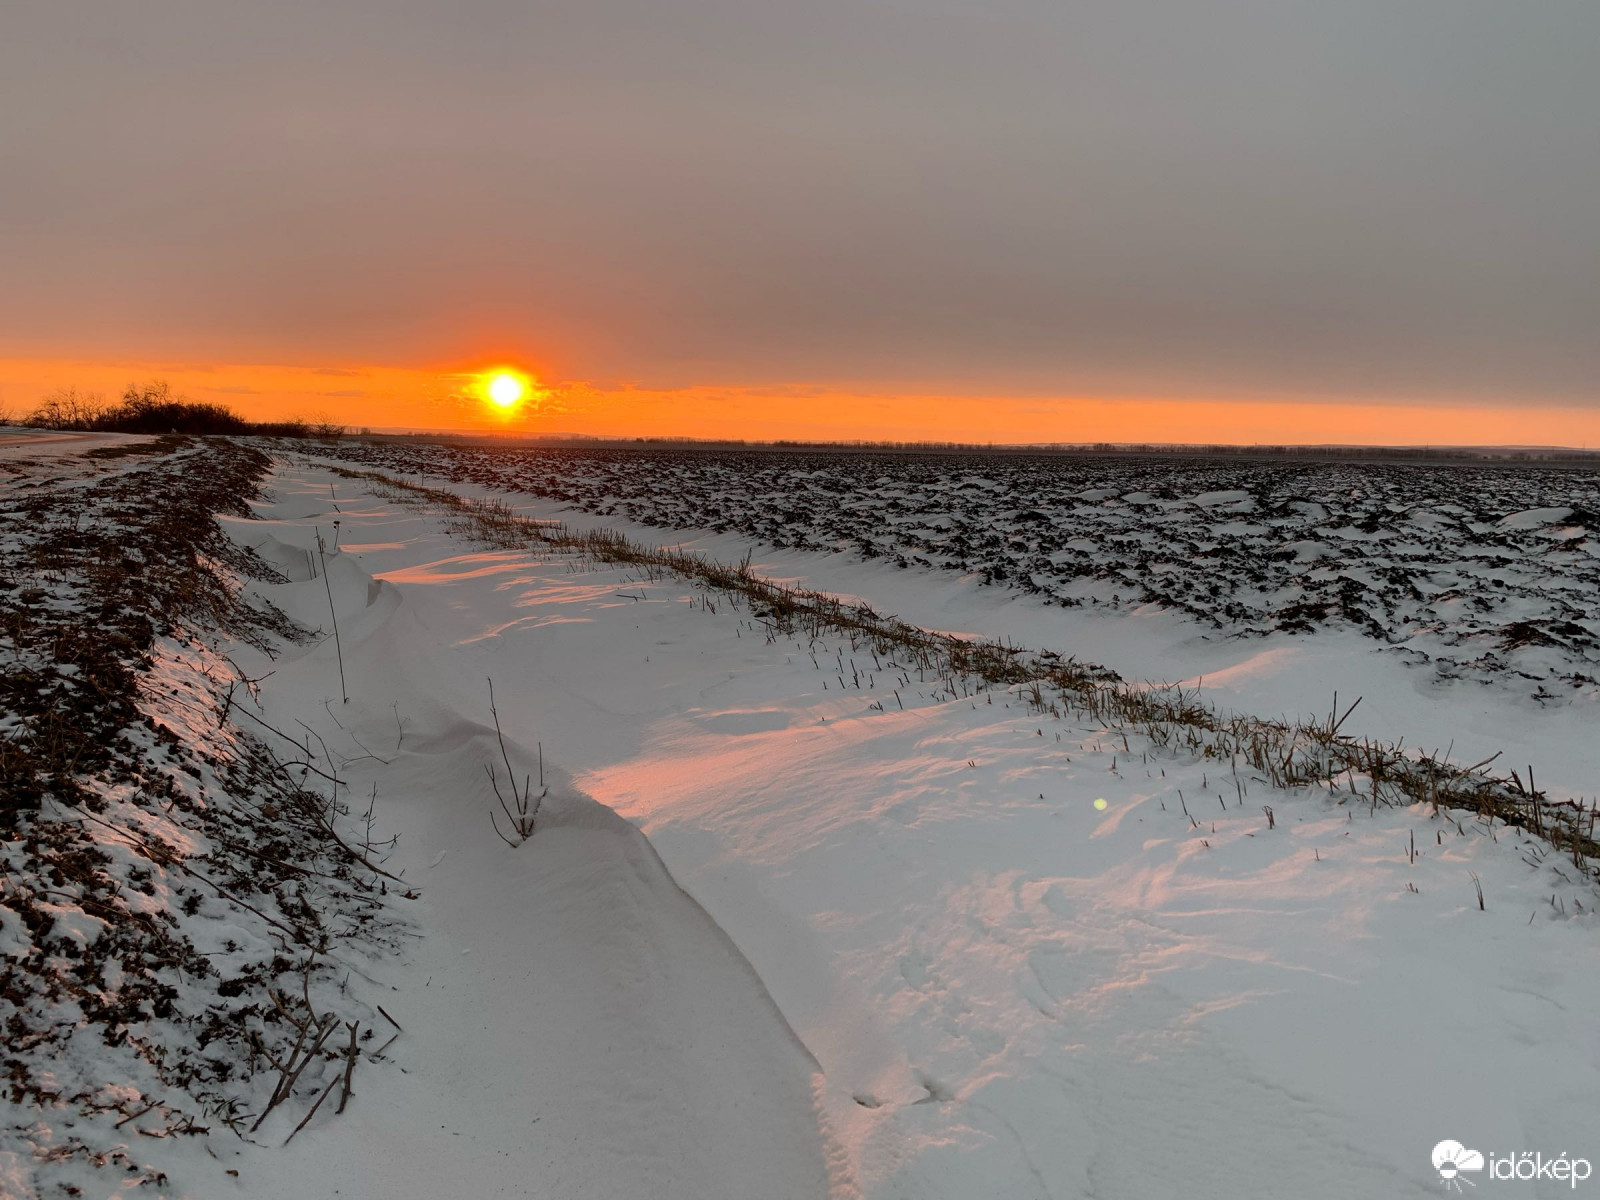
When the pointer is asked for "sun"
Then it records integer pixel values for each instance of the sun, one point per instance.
(505, 390)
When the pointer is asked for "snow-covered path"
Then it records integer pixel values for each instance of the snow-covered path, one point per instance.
(1002, 989)
(574, 1024)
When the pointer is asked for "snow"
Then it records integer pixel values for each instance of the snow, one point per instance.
(882, 953)
(1226, 496)
(1275, 674)
(135, 969)
(574, 1027)
(573, 1022)
(20, 444)
(1535, 518)
(1198, 536)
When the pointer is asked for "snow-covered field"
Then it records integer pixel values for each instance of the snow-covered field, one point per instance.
(1470, 570)
(797, 918)
(885, 943)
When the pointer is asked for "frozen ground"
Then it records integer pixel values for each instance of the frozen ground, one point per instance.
(912, 956)
(162, 877)
(1473, 572)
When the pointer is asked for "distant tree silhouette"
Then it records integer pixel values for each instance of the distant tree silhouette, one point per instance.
(153, 408)
(68, 408)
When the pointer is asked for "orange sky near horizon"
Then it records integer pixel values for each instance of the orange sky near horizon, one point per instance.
(392, 398)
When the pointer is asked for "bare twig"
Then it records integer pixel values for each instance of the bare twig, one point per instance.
(305, 1120)
(526, 803)
(349, 1067)
(338, 649)
(136, 1115)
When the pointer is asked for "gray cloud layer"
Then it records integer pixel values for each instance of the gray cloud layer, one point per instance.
(1381, 197)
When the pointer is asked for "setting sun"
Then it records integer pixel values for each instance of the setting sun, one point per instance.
(505, 390)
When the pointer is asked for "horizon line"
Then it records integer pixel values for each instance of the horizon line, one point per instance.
(623, 441)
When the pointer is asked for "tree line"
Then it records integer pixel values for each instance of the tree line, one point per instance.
(153, 408)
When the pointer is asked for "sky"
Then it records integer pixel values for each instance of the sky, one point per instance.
(1197, 220)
